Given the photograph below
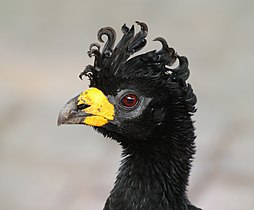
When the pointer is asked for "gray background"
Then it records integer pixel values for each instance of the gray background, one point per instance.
(43, 48)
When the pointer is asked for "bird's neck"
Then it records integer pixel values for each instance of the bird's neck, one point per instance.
(154, 174)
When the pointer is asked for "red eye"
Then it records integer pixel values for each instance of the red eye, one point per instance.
(129, 100)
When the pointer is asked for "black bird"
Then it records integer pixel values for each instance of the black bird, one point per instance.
(146, 105)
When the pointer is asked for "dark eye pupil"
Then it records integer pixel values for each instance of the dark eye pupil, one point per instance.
(129, 100)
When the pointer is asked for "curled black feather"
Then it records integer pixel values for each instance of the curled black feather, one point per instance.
(88, 72)
(139, 41)
(166, 54)
(156, 64)
(111, 34)
(190, 98)
(181, 72)
(120, 55)
(94, 51)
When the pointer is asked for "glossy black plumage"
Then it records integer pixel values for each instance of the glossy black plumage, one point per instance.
(157, 138)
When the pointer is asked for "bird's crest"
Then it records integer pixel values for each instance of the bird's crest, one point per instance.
(112, 61)
(111, 58)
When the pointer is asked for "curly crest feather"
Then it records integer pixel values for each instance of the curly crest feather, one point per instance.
(114, 61)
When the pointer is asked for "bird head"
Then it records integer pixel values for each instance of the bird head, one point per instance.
(131, 96)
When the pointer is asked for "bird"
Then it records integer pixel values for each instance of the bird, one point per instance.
(144, 103)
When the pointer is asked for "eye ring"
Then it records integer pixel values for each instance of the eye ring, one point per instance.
(129, 100)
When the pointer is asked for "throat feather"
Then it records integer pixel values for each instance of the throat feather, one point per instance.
(151, 179)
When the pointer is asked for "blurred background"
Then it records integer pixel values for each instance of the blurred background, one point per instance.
(43, 48)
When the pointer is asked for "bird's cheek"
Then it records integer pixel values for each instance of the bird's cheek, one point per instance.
(159, 115)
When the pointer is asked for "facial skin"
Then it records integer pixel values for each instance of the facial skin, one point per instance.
(93, 108)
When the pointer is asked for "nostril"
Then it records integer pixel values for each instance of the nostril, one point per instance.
(82, 106)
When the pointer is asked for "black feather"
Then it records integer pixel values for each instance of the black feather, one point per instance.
(158, 145)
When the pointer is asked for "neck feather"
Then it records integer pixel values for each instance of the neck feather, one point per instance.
(154, 172)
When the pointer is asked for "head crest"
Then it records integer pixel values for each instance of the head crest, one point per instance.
(110, 60)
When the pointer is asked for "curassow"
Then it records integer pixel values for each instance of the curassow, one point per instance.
(145, 105)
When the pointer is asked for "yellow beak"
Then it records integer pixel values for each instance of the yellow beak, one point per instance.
(91, 107)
